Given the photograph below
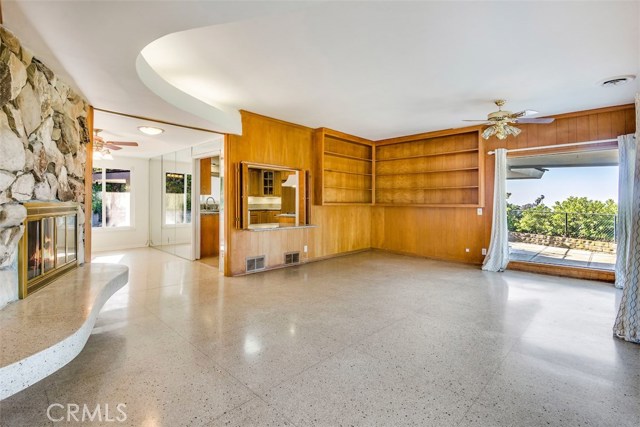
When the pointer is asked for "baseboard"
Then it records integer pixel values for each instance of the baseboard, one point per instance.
(118, 248)
(415, 255)
(564, 271)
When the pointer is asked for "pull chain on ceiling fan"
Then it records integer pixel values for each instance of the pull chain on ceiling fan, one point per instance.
(500, 122)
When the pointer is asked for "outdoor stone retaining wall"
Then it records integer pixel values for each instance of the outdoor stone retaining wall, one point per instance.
(563, 242)
(43, 137)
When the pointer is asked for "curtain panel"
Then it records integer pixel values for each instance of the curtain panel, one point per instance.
(498, 255)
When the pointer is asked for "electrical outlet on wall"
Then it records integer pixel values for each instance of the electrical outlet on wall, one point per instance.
(484, 251)
(479, 211)
(466, 250)
(305, 249)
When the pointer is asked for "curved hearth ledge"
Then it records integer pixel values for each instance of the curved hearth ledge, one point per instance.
(44, 332)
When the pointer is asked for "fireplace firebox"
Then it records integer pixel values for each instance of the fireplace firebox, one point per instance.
(48, 247)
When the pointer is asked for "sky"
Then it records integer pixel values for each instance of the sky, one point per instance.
(596, 183)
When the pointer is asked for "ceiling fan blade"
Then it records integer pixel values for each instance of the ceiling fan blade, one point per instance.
(112, 147)
(123, 143)
(539, 121)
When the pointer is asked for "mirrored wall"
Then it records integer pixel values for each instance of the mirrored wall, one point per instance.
(170, 199)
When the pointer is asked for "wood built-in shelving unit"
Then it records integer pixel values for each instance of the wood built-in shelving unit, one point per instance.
(345, 172)
(445, 169)
(437, 171)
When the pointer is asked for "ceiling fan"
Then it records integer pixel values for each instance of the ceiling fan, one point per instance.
(102, 149)
(500, 121)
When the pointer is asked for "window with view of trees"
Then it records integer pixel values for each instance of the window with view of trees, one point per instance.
(574, 217)
(177, 198)
(111, 198)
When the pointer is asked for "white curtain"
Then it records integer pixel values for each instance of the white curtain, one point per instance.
(498, 256)
(627, 324)
(627, 153)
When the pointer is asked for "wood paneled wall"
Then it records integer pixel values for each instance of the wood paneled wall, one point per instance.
(339, 229)
(441, 233)
(446, 233)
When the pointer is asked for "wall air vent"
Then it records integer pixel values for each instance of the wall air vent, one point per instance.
(255, 263)
(292, 258)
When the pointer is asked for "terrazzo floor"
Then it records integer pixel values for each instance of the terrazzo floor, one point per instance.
(372, 339)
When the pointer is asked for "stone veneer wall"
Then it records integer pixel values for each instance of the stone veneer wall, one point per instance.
(563, 242)
(43, 140)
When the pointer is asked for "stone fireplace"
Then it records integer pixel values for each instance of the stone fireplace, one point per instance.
(49, 246)
(44, 135)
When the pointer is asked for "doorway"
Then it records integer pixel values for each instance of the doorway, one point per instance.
(210, 197)
(562, 209)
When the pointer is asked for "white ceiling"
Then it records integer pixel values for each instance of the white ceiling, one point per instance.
(375, 69)
(119, 128)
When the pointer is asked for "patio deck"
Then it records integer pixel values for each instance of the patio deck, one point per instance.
(519, 251)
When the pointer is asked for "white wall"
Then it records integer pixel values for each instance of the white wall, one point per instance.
(137, 235)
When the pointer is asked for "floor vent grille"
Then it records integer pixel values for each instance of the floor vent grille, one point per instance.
(255, 263)
(292, 258)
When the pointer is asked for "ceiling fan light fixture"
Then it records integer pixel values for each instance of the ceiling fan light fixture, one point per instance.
(150, 130)
(489, 132)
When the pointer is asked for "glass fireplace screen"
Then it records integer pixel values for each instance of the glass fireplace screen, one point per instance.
(49, 244)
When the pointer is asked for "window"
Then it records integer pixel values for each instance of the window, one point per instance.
(177, 198)
(111, 198)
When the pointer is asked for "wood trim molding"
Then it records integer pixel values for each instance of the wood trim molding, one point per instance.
(592, 111)
(164, 122)
(347, 137)
(427, 135)
(229, 210)
(564, 271)
(88, 193)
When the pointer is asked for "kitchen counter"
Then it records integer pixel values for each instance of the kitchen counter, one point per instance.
(276, 226)
(209, 212)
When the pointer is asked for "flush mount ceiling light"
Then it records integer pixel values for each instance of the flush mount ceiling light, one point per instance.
(150, 130)
(617, 80)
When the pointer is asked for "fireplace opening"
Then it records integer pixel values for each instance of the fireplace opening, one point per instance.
(48, 247)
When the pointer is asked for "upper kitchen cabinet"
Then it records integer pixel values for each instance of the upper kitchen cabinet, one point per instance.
(344, 169)
(205, 176)
(255, 183)
(265, 183)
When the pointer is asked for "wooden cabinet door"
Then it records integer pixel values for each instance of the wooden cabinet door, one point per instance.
(268, 182)
(255, 218)
(255, 182)
(209, 235)
(205, 176)
(277, 184)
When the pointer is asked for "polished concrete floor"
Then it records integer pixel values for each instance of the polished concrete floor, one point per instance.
(372, 339)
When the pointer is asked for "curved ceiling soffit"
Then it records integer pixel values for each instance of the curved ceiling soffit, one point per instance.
(224, 120)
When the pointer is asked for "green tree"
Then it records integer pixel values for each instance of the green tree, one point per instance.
(535, 219)
(583, 218)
